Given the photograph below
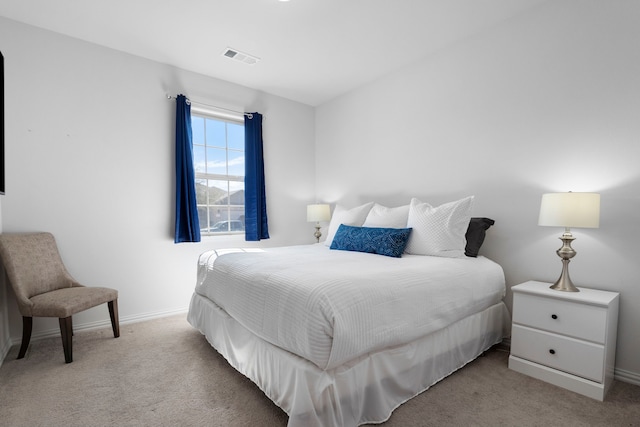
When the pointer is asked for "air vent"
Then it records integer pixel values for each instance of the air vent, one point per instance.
(240, 56)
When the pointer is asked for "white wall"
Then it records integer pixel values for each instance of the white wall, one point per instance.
(547, 102)
(89, 151)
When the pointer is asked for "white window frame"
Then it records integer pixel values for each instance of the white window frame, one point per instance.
(210, 113)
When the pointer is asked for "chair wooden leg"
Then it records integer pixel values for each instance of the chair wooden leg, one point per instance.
(115, 321)
(27, 326)
(66, 330)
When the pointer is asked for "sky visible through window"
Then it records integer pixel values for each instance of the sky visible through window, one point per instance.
(218, 159)
(213, 141)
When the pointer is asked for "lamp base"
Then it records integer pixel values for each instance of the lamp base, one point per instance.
(566, 252)
(317, 234)
(564, 283)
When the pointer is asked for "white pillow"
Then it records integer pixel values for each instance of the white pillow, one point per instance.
(438, 231)
(341, 215)
(381, 216)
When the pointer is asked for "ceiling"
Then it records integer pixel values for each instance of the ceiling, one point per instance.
(310, 51)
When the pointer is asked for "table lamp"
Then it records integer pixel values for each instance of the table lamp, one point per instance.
(317, 213)
(569, 210)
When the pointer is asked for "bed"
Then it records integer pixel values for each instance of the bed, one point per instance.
(343, 337)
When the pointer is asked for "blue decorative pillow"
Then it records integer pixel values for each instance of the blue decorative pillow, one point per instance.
(382, 241)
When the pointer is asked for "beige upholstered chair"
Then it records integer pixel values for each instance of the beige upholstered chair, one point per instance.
(44, 288)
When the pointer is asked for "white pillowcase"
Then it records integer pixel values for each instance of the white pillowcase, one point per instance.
(381, 216)
(341, 215)
(439, 231)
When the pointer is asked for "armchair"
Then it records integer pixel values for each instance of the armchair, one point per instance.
(44, 288)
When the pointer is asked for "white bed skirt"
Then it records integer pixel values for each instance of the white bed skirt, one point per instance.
(364, 390)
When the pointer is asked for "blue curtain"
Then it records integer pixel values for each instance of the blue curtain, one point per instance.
(187, 224)
(255, 202)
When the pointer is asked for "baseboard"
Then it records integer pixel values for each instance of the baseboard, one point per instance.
(4, 349)
(626, 376)
(505, 345)
(101, 324)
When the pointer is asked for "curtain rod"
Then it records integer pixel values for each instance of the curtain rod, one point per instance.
(211, 106)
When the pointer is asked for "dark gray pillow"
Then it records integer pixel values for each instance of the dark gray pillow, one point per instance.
(475, 235)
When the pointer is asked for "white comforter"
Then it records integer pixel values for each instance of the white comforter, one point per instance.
(331, 306)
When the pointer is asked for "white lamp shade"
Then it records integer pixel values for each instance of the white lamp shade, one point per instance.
(580, 210)
(318, 212)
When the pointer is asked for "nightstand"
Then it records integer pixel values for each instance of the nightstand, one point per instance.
(565, 338)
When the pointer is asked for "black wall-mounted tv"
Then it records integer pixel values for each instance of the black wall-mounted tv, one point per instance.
(1, 123)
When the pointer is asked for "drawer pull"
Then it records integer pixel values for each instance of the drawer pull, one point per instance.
(552, 351)
(554, 316)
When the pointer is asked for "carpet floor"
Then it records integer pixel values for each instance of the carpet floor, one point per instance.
(164, 373)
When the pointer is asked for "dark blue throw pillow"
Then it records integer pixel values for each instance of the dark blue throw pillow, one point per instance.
(382, 241)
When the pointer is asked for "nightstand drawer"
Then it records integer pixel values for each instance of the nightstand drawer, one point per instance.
(563, 317)
(576, 357)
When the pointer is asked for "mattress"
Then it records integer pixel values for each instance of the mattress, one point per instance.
(331, 307)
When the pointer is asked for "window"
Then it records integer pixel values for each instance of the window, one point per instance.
(218, 161)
